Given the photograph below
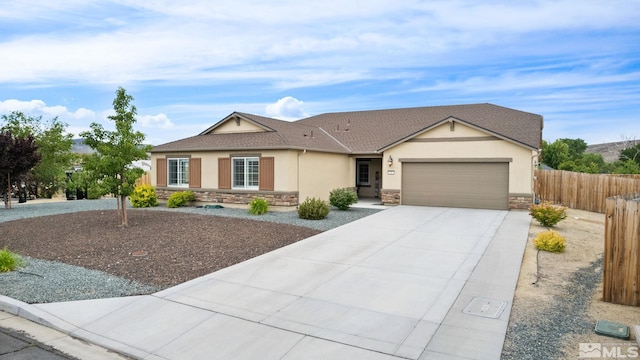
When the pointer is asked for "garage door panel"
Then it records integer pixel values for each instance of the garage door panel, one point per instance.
(472, 185)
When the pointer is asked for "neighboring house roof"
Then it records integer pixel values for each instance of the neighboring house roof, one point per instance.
(364, 132)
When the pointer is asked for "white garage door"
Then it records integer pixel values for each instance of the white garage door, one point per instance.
(480, 185)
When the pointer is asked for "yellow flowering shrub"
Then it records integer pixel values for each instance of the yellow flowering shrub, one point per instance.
(550, 241)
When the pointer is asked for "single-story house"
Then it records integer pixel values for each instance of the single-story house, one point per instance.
(476, 156)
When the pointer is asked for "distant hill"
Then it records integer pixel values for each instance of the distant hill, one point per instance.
(611, 151)
(79, 147)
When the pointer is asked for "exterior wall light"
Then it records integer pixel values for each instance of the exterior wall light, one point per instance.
(390, 161)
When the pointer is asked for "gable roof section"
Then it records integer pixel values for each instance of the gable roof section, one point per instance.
(236, 116)
(278, 134)
(371, 131)
(364, 132)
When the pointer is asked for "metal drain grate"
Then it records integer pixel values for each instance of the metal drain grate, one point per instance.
(485, 307)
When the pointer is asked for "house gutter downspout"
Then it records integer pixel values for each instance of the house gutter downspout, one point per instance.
(300, 153)
(533, 171)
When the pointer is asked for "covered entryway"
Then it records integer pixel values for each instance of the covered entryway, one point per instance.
(479, 185)
(368, 177)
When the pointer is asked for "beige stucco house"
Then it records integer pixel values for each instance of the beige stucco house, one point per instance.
(477, 156)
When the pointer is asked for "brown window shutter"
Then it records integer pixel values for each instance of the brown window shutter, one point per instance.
(195, 173)
(266, 173)
(224, 173)
(161, 172)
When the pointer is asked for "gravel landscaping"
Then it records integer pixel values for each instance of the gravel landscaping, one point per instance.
(74, 251)
(541, 336)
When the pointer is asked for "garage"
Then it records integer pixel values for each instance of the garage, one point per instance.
(479, 185)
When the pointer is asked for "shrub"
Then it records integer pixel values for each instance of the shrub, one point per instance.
(343, 198)
(94, 192)
(313, 209)
(9, 261)
(258, 206)
(547, 214)
(180, 198)
(550, 241)
(143, 196)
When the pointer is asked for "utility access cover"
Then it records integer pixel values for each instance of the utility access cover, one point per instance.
(485, 307)
(613, 329)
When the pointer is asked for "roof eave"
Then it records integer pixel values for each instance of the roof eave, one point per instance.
(466, 123)
(256, 148)
(232, 116)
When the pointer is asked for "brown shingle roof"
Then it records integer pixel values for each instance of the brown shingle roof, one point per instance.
(369, 131)
(279, 135)
(366, 131)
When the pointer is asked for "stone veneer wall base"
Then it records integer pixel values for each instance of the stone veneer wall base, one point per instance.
(516, 201)
(222, 197)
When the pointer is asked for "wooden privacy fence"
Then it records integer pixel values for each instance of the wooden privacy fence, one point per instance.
(621, 279)
(145, 179)
(582, 191)
(602, 193)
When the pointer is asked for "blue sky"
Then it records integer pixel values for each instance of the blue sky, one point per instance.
(190, 63)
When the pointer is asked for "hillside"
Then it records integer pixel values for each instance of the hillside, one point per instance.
(611, 151)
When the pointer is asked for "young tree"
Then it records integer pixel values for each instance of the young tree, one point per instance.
(18, 155)
(53, 144)
(116, 151)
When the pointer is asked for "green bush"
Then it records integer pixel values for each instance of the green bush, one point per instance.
(343, 198)
(547, 214)
(9, 261)
(143, 196)
(180, 198)
(313, 209)
(258, 206)
(94, 192)
(550, 241)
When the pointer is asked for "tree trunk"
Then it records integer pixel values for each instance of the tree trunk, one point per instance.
(125, 221)
(119, 213)
(7, 198)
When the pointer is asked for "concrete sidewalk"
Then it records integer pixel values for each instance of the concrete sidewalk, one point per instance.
(408, 282)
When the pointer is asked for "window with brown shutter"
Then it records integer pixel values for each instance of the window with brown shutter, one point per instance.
(224, 173)
(266, 173)
(161, 172)
(195, 173)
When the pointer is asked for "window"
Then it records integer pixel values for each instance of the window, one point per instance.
(178, 172)
(245, 173)
(362, 172)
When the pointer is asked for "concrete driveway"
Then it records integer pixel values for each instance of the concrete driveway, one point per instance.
(408, 282)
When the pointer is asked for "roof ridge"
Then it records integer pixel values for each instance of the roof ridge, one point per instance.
(333, 138)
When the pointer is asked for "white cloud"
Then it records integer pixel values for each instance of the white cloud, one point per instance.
(287, 108)
(39, 107)
(83, 113)
(155, 121)
(165, 40)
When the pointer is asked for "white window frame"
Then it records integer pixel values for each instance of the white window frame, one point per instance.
(182, 177)
(358, 172)
(245, 177)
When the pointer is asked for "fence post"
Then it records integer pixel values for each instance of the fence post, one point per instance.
(621, 269)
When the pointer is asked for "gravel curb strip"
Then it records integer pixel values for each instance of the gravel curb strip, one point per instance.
(541, 336)
(43, 281)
